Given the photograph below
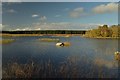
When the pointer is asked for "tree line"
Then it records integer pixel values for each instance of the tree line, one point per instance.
(104, 31)
(47, 32)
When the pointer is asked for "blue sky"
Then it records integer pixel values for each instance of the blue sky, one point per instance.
(60, 1)
(58, 15)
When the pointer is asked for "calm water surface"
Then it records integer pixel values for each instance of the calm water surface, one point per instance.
(88, 52)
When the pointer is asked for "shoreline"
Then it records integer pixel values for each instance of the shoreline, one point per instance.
(102, 37)
(58, 35)
(22, 35)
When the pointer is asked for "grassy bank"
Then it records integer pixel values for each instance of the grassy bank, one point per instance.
(57, 35)
(103, 37)
(107, 37)
(19, 35)
(6, 41)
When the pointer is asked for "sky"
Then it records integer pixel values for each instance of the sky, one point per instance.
(58, 15)
(59, 0)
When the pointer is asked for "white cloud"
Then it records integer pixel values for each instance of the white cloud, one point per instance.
(77, 12)
(66, 9)
(2, 26)
(104, 8)
(66, 0)
(51, 26)
(64, 26)
(35, 15)
(7, 27)
(79, 9)
(11, 11)
(57, 15)
(110, 7)
(26, 29)
(43, 18)
(38, 29)
(11, 0)
(0, 8)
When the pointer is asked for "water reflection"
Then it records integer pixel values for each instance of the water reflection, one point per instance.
(91, 57)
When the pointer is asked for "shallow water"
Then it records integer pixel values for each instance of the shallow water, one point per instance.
(89, 53)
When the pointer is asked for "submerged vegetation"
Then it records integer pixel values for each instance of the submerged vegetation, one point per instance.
(49, 40)
(104, 32)
(6, 41)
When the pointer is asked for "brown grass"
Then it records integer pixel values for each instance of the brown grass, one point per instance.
(67, 69)
(67, 43)
(19, 35)
(6, 41)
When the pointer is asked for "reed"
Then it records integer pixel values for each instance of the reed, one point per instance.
(70, 68)
(19, 35)
(6, 41)
(67, 43)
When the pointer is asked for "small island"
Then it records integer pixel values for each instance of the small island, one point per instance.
(104, 32)
(6, 41)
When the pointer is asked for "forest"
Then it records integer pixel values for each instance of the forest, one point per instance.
(104, 32)
(46, 32)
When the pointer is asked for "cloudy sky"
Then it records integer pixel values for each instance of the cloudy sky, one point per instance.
(59, 0)
(58, 15)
